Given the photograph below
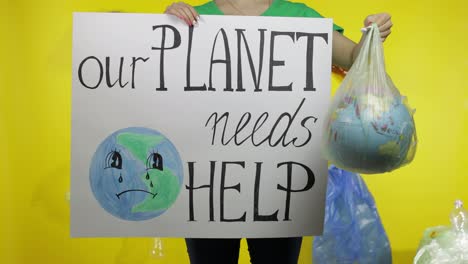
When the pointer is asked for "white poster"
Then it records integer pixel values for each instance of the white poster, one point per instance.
(206, 131)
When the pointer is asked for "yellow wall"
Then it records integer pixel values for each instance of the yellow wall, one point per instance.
(426, 57)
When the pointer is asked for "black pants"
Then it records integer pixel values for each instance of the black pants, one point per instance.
(226, 251)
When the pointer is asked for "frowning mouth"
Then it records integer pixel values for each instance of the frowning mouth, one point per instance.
(135, 190)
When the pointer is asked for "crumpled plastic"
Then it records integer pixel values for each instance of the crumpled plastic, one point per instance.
(353, 232)
(446, 244)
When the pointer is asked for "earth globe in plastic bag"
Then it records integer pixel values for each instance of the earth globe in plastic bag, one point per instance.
(371, 134)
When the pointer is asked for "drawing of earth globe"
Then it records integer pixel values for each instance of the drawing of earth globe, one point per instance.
(136, 174)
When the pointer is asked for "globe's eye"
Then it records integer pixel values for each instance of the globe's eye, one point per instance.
(154, 161)
(113, 160)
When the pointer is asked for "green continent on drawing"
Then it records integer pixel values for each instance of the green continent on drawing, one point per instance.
(166, 185)
(163, 182)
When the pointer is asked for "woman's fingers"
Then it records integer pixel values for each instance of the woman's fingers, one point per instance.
(379, 19)
(384, 35)
(386, 26)
(194, 13)
(382, 18)
(183, 11)
(186, 10)
(383, 21)
(177, 13)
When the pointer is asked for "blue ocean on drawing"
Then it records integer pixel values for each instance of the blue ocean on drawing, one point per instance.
(136, 174)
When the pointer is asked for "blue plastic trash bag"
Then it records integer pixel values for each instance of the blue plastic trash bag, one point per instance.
(352, 232)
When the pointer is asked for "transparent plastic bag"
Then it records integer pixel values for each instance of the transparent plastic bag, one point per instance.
(353, 232)
(370, 126)
(446, 245)
(142, 251)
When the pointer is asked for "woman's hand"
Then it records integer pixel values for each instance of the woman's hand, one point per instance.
(183, 11)
(345, 51)
(383, 21)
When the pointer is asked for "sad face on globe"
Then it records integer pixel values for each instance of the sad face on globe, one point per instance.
(136, 174)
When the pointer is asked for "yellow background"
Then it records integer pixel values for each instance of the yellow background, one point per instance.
(426, 57)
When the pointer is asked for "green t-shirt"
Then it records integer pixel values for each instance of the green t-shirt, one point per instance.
(278, 8)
